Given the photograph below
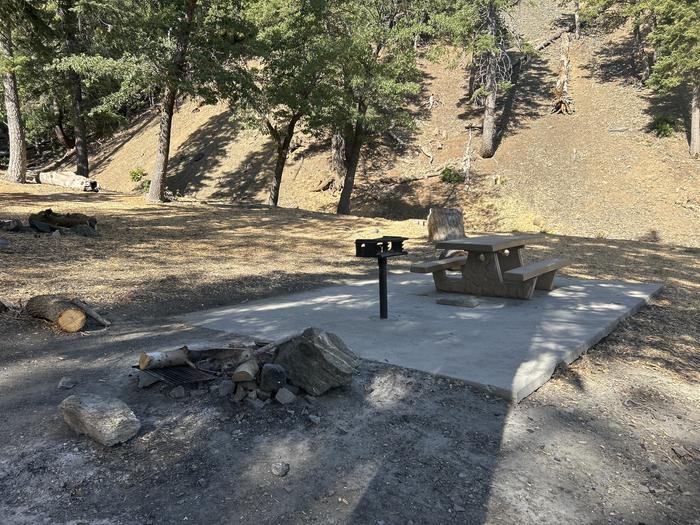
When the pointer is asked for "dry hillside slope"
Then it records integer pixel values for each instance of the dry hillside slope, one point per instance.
(599, 172)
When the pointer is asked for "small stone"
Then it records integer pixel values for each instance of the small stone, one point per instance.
(272, 377)
(225, 388)
(107, 421)
(314, 419)
(56, 234)
(285, 397)
(239, 394)
(293, 389)
(254, 402)
(263, 395)
(178, 392)
(66, 383)
(146, 380)
(459, 508)
(280, 469)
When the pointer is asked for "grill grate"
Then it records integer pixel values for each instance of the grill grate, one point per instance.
(179, 375)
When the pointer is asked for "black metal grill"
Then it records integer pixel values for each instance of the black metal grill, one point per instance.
(382, 248)
(179, 375)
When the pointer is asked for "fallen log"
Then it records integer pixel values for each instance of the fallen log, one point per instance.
(164, 359)
(91, 312)
(62, 220)
(62, 312)
(67, 179)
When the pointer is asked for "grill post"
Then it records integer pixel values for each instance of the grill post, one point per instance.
(383, 299)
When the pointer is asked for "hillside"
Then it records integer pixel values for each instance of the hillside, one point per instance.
(597, 173)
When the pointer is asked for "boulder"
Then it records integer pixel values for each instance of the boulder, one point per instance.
(317, 360)
(285, 397)
(106, 420)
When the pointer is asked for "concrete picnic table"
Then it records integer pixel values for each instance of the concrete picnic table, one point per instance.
(491, 265)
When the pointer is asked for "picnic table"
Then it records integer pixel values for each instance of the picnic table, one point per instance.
(490, 265)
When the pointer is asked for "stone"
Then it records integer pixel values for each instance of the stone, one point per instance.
(225, 388)
(66, 383)
(272, 377)
(108, 421)
(56, 233)
(293, 389)
(239, 394)
(317, 361)
(254, 402)
(314, 419)
(285, 397)
(146, 380)
(178, 392)
(263, 394)
(279, 469)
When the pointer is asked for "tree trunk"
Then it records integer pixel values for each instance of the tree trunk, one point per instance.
(63, 313)
(695, 122)
(283, 142)
(65, 141)
(17, 168)
(577, 20)
(488, 133)
(338, 160)
(156, 192)
(81, 146)
(69, 26)
(353, 148)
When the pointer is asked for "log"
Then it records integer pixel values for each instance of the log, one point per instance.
(62, 312)
(246, 371)
(445, 224)
(562, 99)
(91, 312)
(62, 220)
(67, 179)
(164, 359)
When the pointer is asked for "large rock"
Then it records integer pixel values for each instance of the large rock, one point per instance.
(107, 421)
(317, 361)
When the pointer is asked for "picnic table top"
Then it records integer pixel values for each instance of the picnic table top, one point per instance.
(488, 243)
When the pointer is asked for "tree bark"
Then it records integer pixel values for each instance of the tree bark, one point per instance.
(577, 20)
(17, 168)
(338, 160)
(695, 122)
(65, 141)
(488, 133)
(156, 192)
(62, 312)
(353, 148)
(75, 86)
(283, 142)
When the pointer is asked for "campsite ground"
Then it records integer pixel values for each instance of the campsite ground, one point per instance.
(612, 438)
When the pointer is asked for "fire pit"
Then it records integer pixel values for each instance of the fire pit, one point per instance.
(382, 248)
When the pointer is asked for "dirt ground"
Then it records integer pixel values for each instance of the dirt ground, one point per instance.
(614, 438)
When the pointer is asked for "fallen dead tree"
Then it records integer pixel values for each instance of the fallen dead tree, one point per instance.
(67, 179)
(563, 103)
(48, 221)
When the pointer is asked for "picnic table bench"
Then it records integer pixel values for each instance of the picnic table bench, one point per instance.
(491, 265)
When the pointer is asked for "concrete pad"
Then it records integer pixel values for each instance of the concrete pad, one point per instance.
(507, 346)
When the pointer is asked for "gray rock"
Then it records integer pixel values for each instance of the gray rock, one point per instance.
(254, 402)
(263, 394)
(314, 419)
(293, 389)
(56, 234)
(107, 421)
(66, 383)
(272, 377)
(146, 380)
(317, 360)
(4, 244)
(280, 469)
(178, 392)
(285, 397)
(224, 388)
(239, 394)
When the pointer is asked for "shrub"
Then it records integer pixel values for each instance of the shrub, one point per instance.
(663, 126)
(144, 186)
(451, 176)
(137, 174)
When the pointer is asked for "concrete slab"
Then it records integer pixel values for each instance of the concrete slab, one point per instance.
(507, 346)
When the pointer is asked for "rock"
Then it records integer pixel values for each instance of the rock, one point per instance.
(254, 402)
(224, 388)
(11, 225)
(293, 389)
(279, 469)
(146, 380)
(107, 421)
(314, 419)
(272, 377)
(4, 244)
(66, 383)
(56, 233)
(84, 230)
(239, 394)
(317, 360)
(263, 394)
(285, 397)
(178, 392)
